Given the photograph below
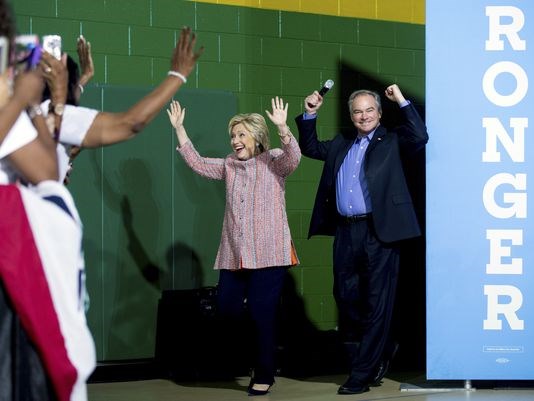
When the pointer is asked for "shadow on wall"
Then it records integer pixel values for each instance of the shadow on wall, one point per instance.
(137, 282)
(147, 268)
(184, 268)
(303, 349)
(409, 326)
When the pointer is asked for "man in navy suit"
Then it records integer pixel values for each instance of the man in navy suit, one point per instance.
(364, 202)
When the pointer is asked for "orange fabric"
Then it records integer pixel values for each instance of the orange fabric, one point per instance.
(294, 259)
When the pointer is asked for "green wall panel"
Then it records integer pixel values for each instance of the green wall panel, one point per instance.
(309, 170)
(282, 52)
(78, 9)
(148, 41)
(321, 55)
(35, 7)
(173, 13)
(260, 79)
(264, 23)
(224, 76)
(410, 36)
(376, 33)
(419, 63)
(211, 43)
(217, 19)
(300, 26)
(106, 38)
(248, 102)
(316, 279)
(150, 223)
(416, 86)
(134, 12)
(340, 30)
(362, 58)
(236, 48)
(396, 61)
(160, 67)
(129, 70)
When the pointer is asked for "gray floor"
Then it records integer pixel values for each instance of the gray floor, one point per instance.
(311, 389)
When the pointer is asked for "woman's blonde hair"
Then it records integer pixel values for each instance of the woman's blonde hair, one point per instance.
(256, 125)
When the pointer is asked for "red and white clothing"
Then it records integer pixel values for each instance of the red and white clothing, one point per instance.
(42, 271)
(41, 267)
(255, 231)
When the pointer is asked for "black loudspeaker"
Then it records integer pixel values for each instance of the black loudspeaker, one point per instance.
(191, 338)
(185, 334)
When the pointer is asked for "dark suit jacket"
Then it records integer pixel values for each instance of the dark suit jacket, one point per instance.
(394, 217)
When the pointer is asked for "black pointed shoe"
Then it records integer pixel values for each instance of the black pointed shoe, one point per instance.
(252, 391)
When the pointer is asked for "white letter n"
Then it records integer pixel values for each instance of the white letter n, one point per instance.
(515, 148)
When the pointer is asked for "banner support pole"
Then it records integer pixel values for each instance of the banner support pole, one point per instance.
(436, 387)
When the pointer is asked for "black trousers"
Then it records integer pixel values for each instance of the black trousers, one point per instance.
(22, 375)
(259, 290)
(365, 280)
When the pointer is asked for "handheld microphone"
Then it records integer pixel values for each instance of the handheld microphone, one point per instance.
(326, 87)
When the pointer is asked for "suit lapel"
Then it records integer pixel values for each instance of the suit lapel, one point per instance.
(377, 138)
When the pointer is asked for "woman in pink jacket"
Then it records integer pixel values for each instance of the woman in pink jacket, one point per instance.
(256, 246)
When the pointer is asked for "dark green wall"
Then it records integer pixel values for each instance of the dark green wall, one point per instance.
(251, 55)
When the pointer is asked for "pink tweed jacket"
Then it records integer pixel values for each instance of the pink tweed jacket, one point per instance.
(255, 231)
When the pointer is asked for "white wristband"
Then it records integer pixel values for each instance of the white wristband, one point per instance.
(177, 74)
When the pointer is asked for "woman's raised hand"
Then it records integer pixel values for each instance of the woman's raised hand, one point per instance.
(176, 114)
(86, 60)
(279, 113)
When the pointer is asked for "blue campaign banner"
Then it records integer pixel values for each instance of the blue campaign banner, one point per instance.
(480, 172)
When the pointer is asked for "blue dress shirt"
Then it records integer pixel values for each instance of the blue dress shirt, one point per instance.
(352, 194)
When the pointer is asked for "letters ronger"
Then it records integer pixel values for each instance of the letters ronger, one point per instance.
(503, 241)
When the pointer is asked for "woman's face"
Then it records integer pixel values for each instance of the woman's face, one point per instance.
(242, 142)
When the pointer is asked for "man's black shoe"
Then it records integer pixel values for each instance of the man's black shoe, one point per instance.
(383, 367)
(381, 371)
(352, 387)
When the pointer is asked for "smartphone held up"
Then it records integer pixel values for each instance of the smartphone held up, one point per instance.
(27, 52)
(52, 45)
(29, 49)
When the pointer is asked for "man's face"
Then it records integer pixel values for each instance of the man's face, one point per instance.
(364, 114)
